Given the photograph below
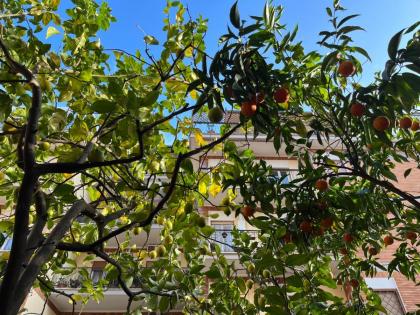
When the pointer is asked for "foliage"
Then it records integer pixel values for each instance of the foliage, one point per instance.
(98, 145)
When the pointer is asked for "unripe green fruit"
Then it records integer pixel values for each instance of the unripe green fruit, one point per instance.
(249, 284)
(137, 230)
(227, 211)
(96, 156)
(189, 207)
(169, 225)
(44, 146)
(168, 240)
(153, 254)
(250, 268)
(160, 220)
(160, 251)
(201, 222)
(266, 273)
(215, 114)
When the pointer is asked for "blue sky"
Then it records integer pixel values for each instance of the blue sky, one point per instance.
(380, 18)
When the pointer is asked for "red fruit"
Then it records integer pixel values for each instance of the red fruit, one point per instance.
(347, 238)
(346, 68)
(281, 95)
(388, 240)
(321, 185)
(287, 238)
(373, 251)
(247, 211)
(415, 126)
(248, 109)
(344, 251)
(381, 123)
(357, 109)
(354, 283)
(327, 223)
(406, 122)
(412, 236)
(305, 226)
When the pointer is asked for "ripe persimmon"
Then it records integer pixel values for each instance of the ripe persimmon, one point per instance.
(346, 68)
(281, 95)
(248, 109)
(381, 123)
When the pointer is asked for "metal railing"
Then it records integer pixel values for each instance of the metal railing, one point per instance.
(73, 278)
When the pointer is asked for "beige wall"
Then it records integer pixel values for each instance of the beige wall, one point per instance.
(35, 304)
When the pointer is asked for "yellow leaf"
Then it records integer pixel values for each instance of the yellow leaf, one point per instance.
(202, 188)
(214, 189)
(188, 52)
(284, 105)
(194, 95)
(199, 138)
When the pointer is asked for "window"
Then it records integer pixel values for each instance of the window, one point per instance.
(282, 173)
(97, 275)
(222, 236)
(7, 244)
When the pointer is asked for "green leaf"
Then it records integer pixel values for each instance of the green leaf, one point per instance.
(151, 40)
(103, 106)
(348, 29)
(347, 18)
(297, 259)
(86, 75)
(150, 98)
(164, 303)
(51, 31)
(393, 44)
(5, 226)
(234, 15)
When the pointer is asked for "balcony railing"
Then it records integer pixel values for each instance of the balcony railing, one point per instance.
(73, 279)
(225, 239)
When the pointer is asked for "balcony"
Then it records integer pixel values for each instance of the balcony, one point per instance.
(70, 279)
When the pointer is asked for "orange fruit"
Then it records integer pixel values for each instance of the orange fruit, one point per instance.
(347, 238)
(344, 251)
(406, 122)
(305, 226)
(346, 68)
(412, 236)
(357, 109)
(373, 251)
(287, 238)
(327, 223)
(321, 185)
(381, 123)
(281, 95)
(247, 211)
(415, 126)
(248, 109)
(354, 283)
(388, 240)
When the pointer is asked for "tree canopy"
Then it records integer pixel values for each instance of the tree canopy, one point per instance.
(96, 146)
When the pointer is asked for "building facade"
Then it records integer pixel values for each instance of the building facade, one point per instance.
(399, 295)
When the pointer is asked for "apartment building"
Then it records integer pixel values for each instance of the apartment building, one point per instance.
(398, 294)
